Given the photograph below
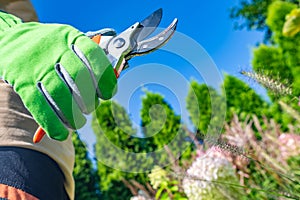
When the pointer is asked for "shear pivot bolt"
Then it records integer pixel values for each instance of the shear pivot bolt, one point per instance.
(118, 43)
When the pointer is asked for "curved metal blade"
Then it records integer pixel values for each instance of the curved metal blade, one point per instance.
(149, 24)
(151, 44)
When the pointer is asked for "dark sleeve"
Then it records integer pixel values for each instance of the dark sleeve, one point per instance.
(20, 8)
(30, 172)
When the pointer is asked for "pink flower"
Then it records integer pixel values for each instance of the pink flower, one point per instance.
(289, 145)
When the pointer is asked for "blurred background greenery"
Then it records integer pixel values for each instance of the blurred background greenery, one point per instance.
(257, 156)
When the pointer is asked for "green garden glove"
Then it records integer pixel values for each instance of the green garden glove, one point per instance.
(58, 72)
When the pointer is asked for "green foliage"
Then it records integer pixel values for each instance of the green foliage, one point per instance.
(205, 106)
(291, 25)
(270, 61)
(158, 119)
(166, 187)
(251, 14)
(276, 14)
(170, 190)
(161, 124)
(115, 136)
(117, 190)
(268, 174)
(114, 132)
(85, 175)
(281, 60)
(241, 99)
(294, 163)
(280, 116)
(113, 121)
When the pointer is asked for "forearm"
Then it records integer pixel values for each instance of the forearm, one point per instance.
(21, 8)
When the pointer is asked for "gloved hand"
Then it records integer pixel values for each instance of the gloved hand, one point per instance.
(58, 72)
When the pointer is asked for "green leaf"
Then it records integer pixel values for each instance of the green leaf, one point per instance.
(159, 192)
(292, 24)
(174, 188)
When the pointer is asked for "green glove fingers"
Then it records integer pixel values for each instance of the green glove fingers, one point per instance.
(106, 83)
(58, 72)
(50, 121)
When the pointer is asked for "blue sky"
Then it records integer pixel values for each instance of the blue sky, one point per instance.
(206, 23)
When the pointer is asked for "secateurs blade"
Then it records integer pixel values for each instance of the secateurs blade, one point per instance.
(128, 44)
(133, 41)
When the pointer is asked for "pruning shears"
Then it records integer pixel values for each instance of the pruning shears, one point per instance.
(132, 42)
